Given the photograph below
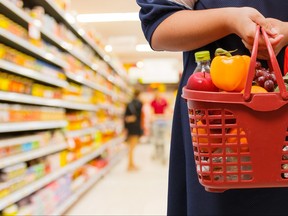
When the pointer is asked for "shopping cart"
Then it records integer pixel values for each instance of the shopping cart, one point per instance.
(159, 138)
(241, 140)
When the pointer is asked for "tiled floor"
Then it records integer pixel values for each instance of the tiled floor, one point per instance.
(143, 192)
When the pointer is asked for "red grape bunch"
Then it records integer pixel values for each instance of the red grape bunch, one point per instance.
(265, 78)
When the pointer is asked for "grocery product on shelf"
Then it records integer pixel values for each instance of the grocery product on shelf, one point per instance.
(25, 113)
(19, 58)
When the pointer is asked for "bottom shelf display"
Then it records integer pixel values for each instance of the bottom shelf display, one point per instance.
(56, 192)
(83, 186)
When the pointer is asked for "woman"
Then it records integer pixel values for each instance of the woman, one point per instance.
(133, 126)
(190, 26)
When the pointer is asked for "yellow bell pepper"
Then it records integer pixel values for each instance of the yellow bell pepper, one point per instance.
(228, 72)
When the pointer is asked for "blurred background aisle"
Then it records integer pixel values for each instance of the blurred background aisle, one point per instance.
(142, 192)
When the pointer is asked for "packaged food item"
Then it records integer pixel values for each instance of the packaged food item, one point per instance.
(14, 171)
(4, 191)
(10, 211)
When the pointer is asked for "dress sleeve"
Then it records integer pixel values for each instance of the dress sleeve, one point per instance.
(153, 12)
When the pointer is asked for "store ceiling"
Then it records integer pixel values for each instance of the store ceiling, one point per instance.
(123, 36)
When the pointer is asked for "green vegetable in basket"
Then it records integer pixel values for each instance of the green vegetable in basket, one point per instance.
(285, 78)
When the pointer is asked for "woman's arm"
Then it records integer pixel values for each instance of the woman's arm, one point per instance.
(188, 29)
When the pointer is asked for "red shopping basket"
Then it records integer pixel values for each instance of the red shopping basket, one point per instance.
(241, 140)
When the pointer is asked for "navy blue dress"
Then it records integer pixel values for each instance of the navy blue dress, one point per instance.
(185, 195)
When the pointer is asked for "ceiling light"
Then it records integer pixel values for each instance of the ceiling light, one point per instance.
(143, 48)
(108, 17)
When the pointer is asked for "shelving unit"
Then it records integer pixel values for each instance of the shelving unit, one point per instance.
(91, 130)
(28, 99)
(31, 126)
(8, 161)
(52, 8)
(16, 196)
(60, 15)
(81, 80)
(77, 195)
(35, 51)
(8, 66)
(114, 90)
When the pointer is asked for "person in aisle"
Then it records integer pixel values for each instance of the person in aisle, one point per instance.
(159, 125)
(159, 103)
(191, 26)
(133, 125)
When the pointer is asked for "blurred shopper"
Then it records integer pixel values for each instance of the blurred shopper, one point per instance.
(159, 104)
(133, 125)
(159, 126)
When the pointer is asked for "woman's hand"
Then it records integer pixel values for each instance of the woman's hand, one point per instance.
(277, 31)
(263, 54)
(282, 29)
(245, 27)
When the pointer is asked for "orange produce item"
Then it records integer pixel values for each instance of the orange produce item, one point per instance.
(200, 131)
(229, 73)
(243, 141)
(257, 89)
(201, 136)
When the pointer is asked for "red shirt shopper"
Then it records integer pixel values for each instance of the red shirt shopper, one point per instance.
(159, 105)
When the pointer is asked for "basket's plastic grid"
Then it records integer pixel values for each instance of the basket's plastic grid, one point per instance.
(284, 161)
(221, 149)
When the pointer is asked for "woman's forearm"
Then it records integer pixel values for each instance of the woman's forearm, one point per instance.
(189, 29)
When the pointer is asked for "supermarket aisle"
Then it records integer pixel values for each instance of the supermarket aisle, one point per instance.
(142, 192)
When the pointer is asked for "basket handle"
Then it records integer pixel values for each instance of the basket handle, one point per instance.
(273, 62)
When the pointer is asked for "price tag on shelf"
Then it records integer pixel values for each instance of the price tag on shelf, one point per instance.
(34, 32)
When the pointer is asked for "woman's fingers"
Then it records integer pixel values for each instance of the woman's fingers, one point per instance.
(262, 47)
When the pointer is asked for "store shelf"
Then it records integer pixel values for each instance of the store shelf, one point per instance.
(16, 11)
(68, 48)
(108, 125)
(77, 195)
(100, 127)
(33, 125)
(60, 15)
(29, 99)
(23, 44)
(57, 41)
(31, 188)
(81, 132)
(83, 81)
(118, 79)
(7, 161)
(35, 75)
(8, 141)
(79, 106)
(20, 14)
